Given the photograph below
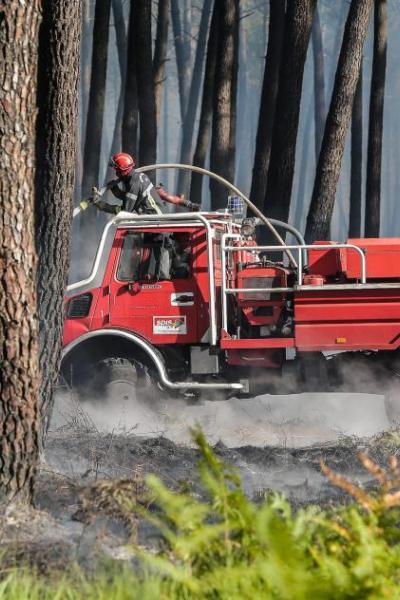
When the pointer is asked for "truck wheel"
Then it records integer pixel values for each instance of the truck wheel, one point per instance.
(117, 380)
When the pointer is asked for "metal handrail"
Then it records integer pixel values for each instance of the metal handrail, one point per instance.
(225, 249)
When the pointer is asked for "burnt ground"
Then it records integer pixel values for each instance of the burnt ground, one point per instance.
(83, 467)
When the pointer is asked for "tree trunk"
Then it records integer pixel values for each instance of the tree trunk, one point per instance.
(338, 120)
(374, 161)
(144, 75)
(356, 162)
(298, 22)
(130, 119)
(190, 117)
(223, 101)
(94, 126)
(160, 52)
(233, 111)
(182, 53)
(203, 135)
(85, 65)
(319, 82)
(121, 39)
(268, 102)
(57, 127)
(19, 23)
(304, 168)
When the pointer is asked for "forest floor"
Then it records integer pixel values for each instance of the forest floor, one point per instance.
(85, 462)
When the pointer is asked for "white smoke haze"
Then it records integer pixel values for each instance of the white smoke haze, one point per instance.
(294, 421)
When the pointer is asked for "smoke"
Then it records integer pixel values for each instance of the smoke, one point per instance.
(296, 420)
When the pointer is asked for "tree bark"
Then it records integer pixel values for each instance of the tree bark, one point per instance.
(319, 82)
(190, 117)
(356, 162)
(298, 22)
(19, 23)
(160, 52)
(144, 75)
(223, 101)
(338, 120)
(268, 102)
(94, 126)
(203, 135)
(374, 160)
(57, 127)
(121, 39)
(233, 112)
(305, 167)
(182, 53)
(130, 119)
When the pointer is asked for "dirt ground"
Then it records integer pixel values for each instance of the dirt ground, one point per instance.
(276, 443)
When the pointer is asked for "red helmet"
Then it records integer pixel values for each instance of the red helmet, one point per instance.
(123, 163)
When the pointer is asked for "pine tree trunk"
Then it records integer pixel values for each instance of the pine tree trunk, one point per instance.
(374, 161)
(233, 112)
(356, 162)
(203, 135)
(57, 127)
(182, 53)
(160, 52)
(121, 39)
(19, 371)
(94, 126)
(190, 117)
(304, 168)
(319, 82)
(144, 75)
(298, 22)
(268, 102)
(130, 119)
(338, 120)
(223, 101)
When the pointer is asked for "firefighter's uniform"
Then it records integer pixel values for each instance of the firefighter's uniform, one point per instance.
(137, 194)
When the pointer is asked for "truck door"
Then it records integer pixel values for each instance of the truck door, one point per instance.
(154, 288)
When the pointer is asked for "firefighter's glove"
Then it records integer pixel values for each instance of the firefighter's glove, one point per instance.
(96, 195)
(191, 205)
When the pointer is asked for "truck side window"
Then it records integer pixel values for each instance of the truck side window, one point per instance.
(155, 256)
(131, 257)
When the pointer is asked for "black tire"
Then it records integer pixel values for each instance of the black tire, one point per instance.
(117, 378)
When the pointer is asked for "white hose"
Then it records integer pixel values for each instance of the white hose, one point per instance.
(231, 187)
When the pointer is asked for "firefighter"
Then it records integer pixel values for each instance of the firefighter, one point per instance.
(135, 190)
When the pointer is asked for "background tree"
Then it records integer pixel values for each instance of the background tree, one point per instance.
(160, 52)
(18, 321)
(374, 160)
(130, 119)
(194, 92)
(224, 100)
(298, 22)
(57, 127)
(203, 134)
(94, 124)
(338, 120)
(268, 102)
(144, 73)
(319, 81)
(182, 53)
(121, 43)
(356, 161)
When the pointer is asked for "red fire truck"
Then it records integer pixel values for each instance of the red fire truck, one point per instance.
(190, 302)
